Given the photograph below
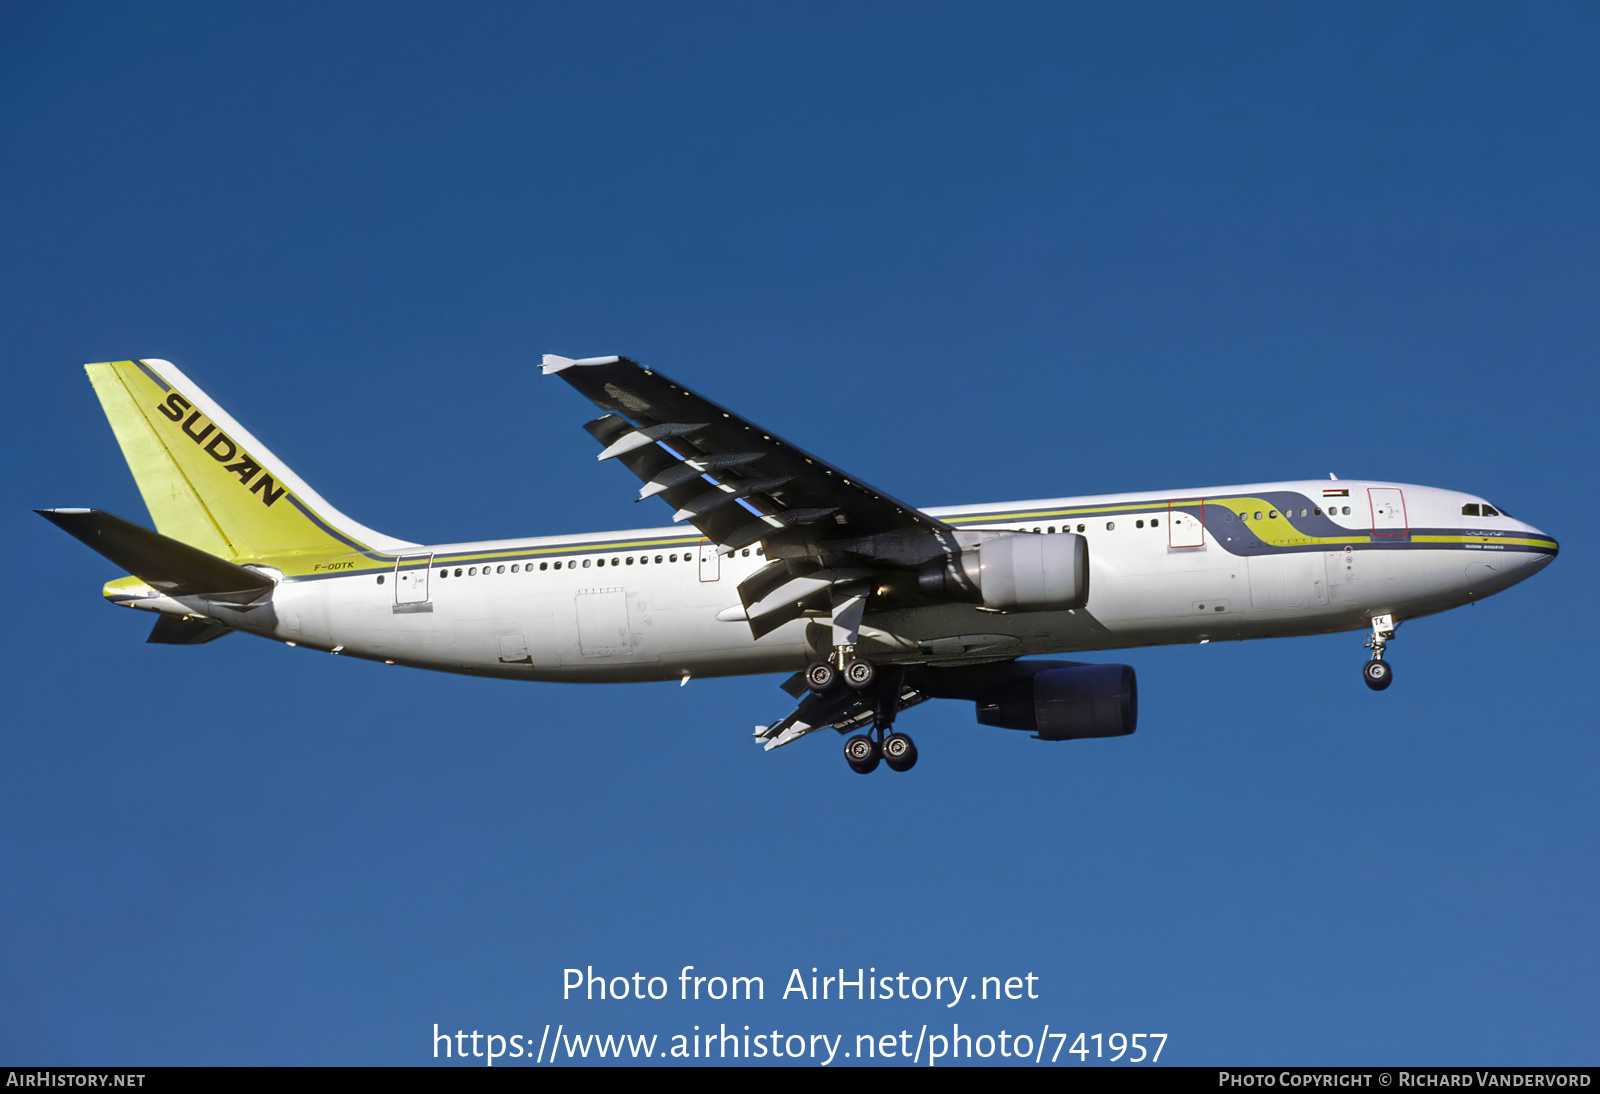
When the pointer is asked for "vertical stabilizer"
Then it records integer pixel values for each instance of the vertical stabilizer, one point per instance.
(207, 481)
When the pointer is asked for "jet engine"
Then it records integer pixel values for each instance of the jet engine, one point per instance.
(1016, 572)
(1054, 700)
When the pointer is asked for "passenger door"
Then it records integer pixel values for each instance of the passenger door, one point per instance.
(411, 581)
(1186, 523)
(1388, 511)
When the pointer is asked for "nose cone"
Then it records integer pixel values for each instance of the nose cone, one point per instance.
(1532, 551)
(1513, 557)
(1543, 548)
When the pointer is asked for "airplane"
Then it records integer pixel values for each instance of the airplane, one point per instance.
(777, 561)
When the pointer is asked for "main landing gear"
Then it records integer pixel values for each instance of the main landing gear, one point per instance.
(1376, 672)
(882, 689)
(858, 673)
(897, 750)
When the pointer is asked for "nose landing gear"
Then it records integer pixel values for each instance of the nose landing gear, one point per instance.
(1376, 672)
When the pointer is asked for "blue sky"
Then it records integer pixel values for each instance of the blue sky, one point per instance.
(969, 252)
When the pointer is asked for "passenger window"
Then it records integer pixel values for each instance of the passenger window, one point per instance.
(1110, 525)
(513, 567)
(1347, 510)
(614, 562)
(658, 560)
(1272, 514)
(546, 565)
(458, 571)
(1302, 512)
(1080, 527)
(558, 566)
(472, 571)
(586, 563)
(672, 558)
(444, 573)
(1155, 524)
(1138, 524)
(1051, 529)
(380, 579)
(630, 560)
(499, 569)
(745, 552)
(1258, 516)
(1316, 512)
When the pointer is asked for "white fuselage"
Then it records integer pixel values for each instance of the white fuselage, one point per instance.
(1165, 567)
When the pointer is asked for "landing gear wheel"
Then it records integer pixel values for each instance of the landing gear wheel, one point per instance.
(1378, 675)
(859, 673)
(820, 675)
(861, 753)
(899, 753)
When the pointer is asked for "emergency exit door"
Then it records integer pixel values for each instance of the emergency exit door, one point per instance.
(710, 562)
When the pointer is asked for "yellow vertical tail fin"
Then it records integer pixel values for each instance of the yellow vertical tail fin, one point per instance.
(207, 481)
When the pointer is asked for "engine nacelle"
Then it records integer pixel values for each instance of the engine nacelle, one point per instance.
(1034, 573)
(1061, 704)
(1054, 700)
(1016, 573)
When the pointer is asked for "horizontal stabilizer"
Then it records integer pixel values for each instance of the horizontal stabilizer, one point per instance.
(175, 568)
(172, 631)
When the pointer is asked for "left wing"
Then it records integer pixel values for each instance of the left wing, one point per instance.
(833, 542)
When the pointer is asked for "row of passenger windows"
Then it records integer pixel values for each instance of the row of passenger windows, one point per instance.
(573, 564)
(1270, 514)
(1110, 527)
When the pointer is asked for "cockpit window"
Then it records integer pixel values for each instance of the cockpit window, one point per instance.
(1470, 509)
(1490, 511)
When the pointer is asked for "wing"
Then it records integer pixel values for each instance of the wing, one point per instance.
(832, 541)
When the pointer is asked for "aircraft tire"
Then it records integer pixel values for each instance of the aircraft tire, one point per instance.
(860, 673)
(820, 676)
(899, 752)
(861, 753)
(1377, 674)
